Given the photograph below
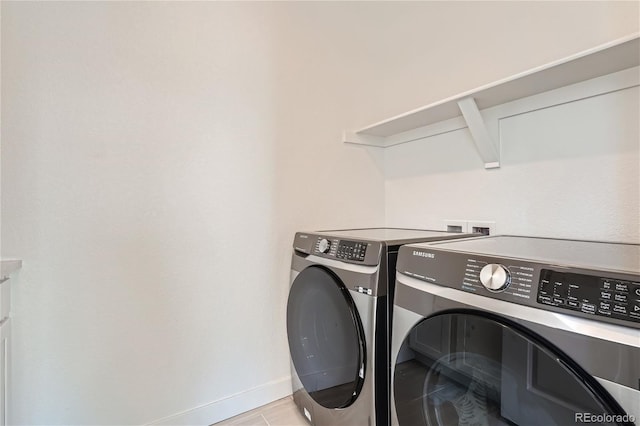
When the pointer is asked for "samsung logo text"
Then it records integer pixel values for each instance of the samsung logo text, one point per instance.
(424, 254)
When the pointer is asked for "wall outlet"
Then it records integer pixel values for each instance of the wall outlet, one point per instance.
(463, 225)
(481, 227)
(455, 225)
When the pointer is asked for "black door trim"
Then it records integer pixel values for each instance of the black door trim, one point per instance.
(319, 278)
(600, 394)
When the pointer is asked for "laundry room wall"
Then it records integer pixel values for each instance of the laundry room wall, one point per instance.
(0, 137)
(157, 160)
(138, 148)
(566, 171)
(158, 157)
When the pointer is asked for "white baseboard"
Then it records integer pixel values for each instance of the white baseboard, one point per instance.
(231, 405)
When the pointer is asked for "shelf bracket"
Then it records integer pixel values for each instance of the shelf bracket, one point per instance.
(359, 139)
(489, 153)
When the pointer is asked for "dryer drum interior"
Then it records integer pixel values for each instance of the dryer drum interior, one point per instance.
(325, 338)
(473, 368)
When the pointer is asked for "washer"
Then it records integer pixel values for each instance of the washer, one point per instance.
(338, 322)
(513, 330)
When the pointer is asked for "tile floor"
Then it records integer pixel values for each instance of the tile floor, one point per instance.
(282, 412)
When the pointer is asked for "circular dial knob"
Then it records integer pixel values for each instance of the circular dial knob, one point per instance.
(324, 245)
(495, 277)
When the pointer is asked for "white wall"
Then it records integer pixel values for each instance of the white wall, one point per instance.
(568, 171)
(158, 157)
(0, 135)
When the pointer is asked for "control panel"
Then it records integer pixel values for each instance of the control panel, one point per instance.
(612, 297)
(366, 253)
(345, 250)
(590, 294)
(351, 250)
(509, 278)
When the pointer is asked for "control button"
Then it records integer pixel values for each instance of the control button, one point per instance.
(545, 299)
(573, 304)
(622, 298)
(589, 308)
(558, 301)
(606, 284)
(636, 289)
(495, 277)
(622, 286)
(620, 309)
(635, 307)
(324, 245)
(605, 295)
(604, 306)
(604, 309)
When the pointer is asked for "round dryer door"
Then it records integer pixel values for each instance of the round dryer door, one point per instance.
(473, 368)
(326, 339)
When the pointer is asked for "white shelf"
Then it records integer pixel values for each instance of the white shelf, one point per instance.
(605, 59)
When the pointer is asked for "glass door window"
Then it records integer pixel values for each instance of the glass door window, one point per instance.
(326, 339)
(472, 368)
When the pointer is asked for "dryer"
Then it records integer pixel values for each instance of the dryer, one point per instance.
(338, 321)
(513, 330)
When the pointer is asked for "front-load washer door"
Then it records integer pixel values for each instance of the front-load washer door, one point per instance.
(326, 339)
(467, 367)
